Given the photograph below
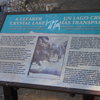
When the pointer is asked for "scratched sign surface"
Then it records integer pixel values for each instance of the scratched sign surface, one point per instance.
(65, 23)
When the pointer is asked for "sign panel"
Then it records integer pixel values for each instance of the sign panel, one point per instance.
(67, 61)
(62, 51)
(80, 23)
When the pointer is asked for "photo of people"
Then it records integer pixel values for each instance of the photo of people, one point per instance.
(49, 55)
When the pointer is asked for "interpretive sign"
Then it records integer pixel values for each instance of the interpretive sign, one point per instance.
(58, 51)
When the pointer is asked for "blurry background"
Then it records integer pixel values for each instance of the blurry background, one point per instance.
(45, 5)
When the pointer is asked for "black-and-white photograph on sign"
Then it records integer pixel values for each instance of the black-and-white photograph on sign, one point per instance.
(48, 56)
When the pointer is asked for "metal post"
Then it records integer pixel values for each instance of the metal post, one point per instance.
(89, 97)
(10, 93)
(0, 8)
